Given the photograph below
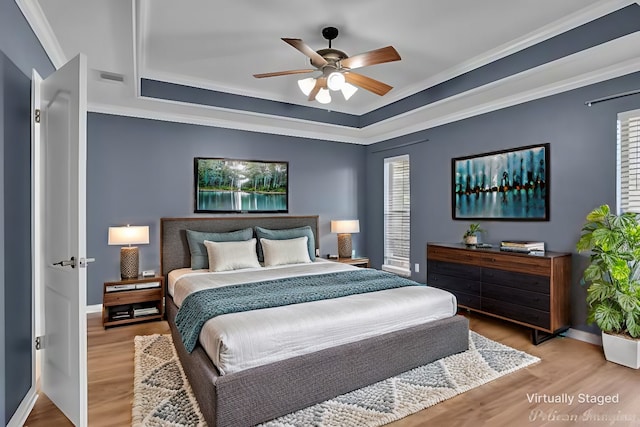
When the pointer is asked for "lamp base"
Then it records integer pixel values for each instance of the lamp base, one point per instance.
(344, 245)
(129, 262)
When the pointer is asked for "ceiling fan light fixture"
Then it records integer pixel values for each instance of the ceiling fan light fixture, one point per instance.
(323, 96)
(335, 81)
(348, 90)
(307, 85)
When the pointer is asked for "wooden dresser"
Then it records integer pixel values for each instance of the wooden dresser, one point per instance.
(532, 290)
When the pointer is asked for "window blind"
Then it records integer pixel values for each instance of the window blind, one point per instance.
(629, 161)
(397, 215)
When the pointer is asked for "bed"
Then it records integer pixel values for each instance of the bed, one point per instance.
(252, 392)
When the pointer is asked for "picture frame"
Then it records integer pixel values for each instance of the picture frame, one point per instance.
(506, 185)
(223, 185)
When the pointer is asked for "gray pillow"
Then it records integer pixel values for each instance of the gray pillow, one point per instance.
(287, 233)
(199, 257)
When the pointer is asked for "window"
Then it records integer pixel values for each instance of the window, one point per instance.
(397, 216)
(628, 167)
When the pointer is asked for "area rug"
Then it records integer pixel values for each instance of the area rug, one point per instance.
(163, 397)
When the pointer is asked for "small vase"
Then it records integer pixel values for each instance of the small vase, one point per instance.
(470, 240)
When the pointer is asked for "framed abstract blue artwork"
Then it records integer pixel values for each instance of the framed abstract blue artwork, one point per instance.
(502, 185)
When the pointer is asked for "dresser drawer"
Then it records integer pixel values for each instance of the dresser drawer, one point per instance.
(466, 300)
(516, 296)
(451, 283)
(466, 271)
(523, 263)
(527, 282)
(456, 255)
(527, 315)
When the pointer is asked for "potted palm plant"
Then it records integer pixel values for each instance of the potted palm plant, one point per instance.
(613, 280)
(470, 236)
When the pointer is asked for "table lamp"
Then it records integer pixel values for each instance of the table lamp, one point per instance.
(344, 229)
(129, 235)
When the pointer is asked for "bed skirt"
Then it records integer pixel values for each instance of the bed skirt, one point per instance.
(266, 392)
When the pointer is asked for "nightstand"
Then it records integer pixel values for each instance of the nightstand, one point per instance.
(132, 301)
(358, 262)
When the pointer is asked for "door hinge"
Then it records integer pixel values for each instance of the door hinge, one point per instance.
(39, 342)
(36, 115)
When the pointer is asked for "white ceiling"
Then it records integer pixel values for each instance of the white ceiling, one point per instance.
(220, 45)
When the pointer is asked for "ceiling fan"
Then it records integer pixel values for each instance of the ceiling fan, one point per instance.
(336, 68)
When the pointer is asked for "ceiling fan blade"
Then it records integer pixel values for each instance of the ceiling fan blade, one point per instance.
(284, 73)
(321, 82)
(367, 83)
(378, 56)
(316, 59)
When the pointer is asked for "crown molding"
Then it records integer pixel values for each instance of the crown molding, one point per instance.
(40, 25)
(484, 99)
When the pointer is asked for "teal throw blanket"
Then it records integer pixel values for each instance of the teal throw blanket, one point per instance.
(203, 305)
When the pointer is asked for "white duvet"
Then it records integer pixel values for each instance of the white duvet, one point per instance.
(244, 340)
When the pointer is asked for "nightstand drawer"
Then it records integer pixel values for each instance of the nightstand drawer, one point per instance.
(131, 297)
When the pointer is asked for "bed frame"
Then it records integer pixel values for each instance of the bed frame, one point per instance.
(262, 393)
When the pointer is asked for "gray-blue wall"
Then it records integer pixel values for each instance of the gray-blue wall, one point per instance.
(20, 52)
(583, 170)
(17, 230)
(140, 170)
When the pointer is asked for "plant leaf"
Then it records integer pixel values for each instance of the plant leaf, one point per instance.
(598, 214)
(633, 324)
(608, 318)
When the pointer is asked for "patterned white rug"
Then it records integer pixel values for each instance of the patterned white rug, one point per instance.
(163, 397)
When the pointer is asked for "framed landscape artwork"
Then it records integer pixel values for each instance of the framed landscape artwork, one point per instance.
(502, 185)
(240, 186)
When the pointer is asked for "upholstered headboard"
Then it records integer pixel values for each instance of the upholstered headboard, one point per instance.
(174, 249)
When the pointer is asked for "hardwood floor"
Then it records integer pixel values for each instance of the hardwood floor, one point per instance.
(569, 369)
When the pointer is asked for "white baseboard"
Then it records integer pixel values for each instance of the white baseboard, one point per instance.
(579, 335)
(23, 411)
(96, 308)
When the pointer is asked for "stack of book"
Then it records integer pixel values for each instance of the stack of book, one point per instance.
(120, 313)
(145, 311)
(522, 246)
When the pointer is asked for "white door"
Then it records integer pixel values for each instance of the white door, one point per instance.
(62, 217)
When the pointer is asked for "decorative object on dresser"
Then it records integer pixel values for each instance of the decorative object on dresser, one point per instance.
(344, 228)
(129, 258)
(529, 290)
(502, 185)
(523, 246)
(230, 185)
(613, 294)
(132, 301)
(470, 236)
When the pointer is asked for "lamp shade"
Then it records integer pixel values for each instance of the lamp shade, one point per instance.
(348, 90)
(129, 235)
(323, 96)
(306, 85)
(345, 226)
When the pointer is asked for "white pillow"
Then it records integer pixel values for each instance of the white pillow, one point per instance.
(286, 251)
(225, 256)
